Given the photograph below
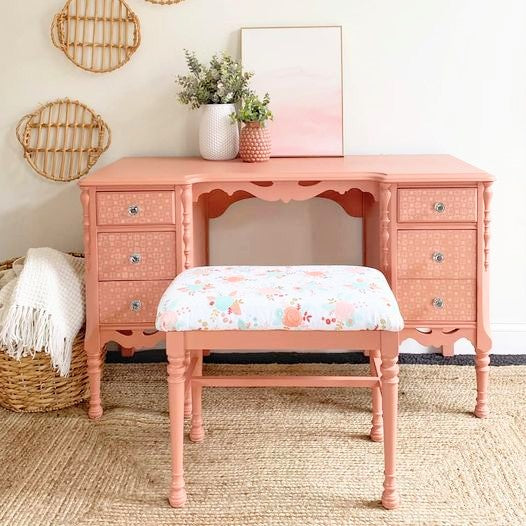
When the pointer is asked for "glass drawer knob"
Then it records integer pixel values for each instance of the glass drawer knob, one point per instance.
(133, 210)
(438, 303)
(439, 207)
(438, 257)
(136, 305)
(135, 259)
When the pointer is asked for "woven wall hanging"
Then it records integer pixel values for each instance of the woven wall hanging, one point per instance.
(164, 2)
(96, 35)
(63, 139)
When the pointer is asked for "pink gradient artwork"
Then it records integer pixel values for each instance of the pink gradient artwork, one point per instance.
(301, 68)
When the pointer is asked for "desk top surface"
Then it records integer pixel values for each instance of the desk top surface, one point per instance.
(144, 171)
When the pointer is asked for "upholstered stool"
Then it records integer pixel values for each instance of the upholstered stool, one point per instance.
(280, 308)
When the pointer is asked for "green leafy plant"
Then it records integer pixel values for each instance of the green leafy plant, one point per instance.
(253, 109)
(223, 81)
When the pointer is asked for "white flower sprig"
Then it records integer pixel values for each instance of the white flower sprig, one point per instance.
(222, 82)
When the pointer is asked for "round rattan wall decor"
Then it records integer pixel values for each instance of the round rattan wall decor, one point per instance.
(96, 35)
(164, 2)
(63, 139)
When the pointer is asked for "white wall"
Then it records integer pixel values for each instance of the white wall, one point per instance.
(421, 76)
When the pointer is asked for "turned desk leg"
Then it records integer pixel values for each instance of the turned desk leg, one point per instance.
(377, 427)
(482, 370)
(483, 346)
(389, 370)
(197, 433)
(94, 354)
(176, 387)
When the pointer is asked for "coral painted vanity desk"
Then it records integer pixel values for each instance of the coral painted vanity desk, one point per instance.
(425, 225)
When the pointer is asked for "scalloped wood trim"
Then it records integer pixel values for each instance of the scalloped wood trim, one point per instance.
(444, 337)
(132, 338)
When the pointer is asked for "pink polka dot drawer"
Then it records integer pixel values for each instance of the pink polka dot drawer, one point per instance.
(134, 255)
(136, 208)
(124, 302)
(437, 299)
(437, 204)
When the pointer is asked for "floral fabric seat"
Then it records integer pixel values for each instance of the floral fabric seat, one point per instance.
(292, 298)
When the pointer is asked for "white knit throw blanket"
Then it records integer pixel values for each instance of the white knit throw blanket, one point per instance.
(42, 306)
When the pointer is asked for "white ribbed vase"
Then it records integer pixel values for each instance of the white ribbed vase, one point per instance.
(218, 135)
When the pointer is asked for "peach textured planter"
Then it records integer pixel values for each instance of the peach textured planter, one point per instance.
(254, 143)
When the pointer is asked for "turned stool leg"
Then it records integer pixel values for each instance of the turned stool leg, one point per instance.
(197, 433)
(187, 389)
(389, 370)
(176, 387)
(94, 368)
(377, 427)
(482, 370)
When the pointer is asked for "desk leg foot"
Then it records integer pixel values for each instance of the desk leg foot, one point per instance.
(128, 352)
(482, 370)
(94, 363)
(95, 412)
(176, 389)
(197, 432)
(377, 427)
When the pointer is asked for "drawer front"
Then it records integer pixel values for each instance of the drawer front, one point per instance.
(437, 204)
(136, 208)
(437, 254)
(136, 255)
(116, 301)
(416, 297)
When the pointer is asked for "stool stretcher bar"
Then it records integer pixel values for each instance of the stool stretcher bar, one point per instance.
(286, 381)
(279, 381)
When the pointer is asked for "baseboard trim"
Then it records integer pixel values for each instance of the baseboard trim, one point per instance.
(509, 338)
(158, 356)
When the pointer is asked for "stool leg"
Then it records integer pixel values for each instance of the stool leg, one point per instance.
(197, 432)
(377, 427)
(187, 389)
(389, 370)
(176, 387)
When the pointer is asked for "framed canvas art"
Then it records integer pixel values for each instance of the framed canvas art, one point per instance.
(301, 68)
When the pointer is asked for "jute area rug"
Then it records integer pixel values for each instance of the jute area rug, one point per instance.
(272, 457)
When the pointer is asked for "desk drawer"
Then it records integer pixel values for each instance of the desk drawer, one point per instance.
(136, 255)
(437, 300)
(437, 254)
(130, 301)
(135, 208)
(437, 204)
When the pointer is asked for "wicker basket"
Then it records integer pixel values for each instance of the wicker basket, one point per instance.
(31, 385)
